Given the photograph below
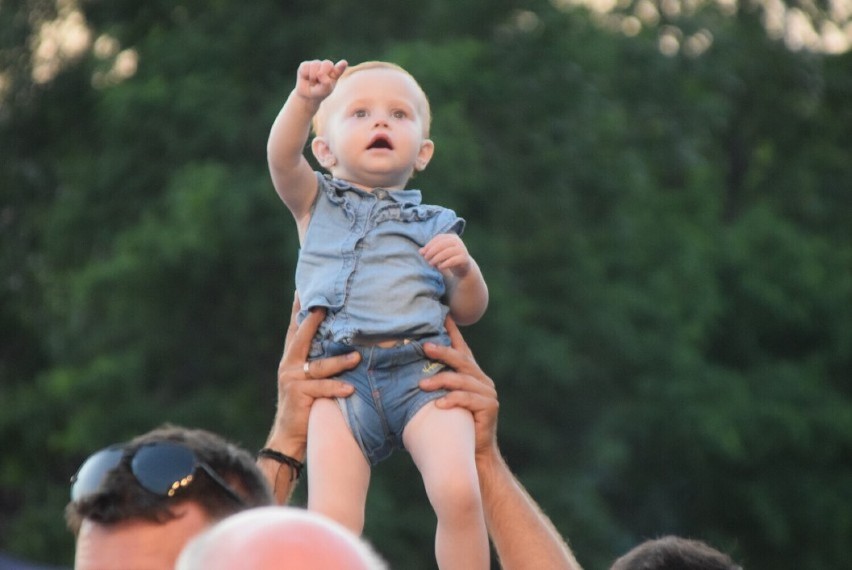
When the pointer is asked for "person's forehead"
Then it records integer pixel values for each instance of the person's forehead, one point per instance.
(138, 544)
(379, 82)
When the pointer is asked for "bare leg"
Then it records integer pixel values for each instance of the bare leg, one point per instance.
(339, 475)
(441, 442)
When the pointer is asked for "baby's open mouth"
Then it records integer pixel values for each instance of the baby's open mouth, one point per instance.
(380, 141)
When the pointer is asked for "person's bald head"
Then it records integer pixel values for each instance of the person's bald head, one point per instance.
(276, 537)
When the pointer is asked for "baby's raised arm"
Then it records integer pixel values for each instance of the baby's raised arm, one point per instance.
(292, 175)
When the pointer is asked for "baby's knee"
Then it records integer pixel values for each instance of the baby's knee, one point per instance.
(458, 496)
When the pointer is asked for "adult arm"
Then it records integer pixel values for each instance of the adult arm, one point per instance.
(523, 536)
(296, 395)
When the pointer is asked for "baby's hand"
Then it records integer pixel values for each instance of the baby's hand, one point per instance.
(447, 252)
(316, 79)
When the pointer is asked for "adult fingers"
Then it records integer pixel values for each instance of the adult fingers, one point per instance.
(457, 341)
(485, 411)
(459, 360)
(298, 347)
(475, 403)
(456, 382)
(294, 325)
(324, 388)
(333, 365)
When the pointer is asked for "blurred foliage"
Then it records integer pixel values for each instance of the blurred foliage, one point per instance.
(666, 239)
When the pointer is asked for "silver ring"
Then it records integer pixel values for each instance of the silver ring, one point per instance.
(306, 368)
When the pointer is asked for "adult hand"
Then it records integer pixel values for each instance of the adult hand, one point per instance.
(469, 386)
(301, 382)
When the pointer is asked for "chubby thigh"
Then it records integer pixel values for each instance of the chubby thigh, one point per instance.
(442, 444)
(339, 475)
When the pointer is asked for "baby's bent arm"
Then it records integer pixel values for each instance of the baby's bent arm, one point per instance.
(467, 296)
(467, 293)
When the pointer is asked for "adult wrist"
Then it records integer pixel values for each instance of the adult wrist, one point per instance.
(295, 447)
(489, 462)
(282, 459)
(297, 451)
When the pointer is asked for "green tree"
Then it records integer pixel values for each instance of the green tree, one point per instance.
(664, 236)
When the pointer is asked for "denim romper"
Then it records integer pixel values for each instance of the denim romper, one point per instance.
(360, 261)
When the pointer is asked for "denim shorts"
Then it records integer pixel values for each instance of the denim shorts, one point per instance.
(387, 394)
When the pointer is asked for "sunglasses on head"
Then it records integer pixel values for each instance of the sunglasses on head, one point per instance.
(162, 468)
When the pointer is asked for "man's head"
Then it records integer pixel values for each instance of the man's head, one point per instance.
(278, 537)
(674, 553)
(147, 497)
(373, 130)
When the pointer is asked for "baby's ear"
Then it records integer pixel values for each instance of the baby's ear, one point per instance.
(427, 149)
(322, 152)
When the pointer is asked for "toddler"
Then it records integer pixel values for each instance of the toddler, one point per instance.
(388, 270)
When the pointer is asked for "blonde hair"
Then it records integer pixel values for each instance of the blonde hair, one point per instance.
(318, 122)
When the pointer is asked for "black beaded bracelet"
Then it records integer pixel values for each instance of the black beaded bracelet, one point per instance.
(295, 465)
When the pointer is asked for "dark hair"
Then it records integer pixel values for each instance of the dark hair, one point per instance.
(121, 498)
(674, 553)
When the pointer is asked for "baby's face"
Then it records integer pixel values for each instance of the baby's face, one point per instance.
(375, 133)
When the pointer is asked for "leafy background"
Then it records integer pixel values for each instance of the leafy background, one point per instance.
(658, 192)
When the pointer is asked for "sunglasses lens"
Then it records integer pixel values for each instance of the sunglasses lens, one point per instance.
(91, 474)
(161, 466)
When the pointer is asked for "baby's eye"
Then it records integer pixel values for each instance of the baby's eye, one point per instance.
(399, 114)
(360, 113)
